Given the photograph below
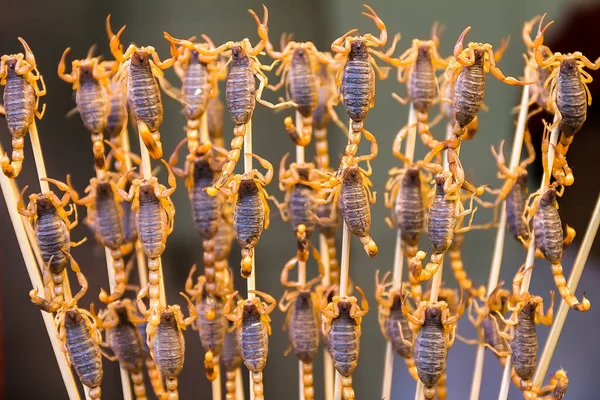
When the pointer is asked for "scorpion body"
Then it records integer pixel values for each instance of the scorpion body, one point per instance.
(19, 76)
(195, 87)
(571, 99)
(515, 207)
(431, 349)
(409, 210)
(214, 120)
(358, 82)
(469, 90)
(248, 218)
(354, 198)
(169, 350)
(548, 233)
(117, 114)
(205, 209)
(525, 343)
(251, 318)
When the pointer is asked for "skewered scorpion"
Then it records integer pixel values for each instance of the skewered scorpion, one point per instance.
(252, 321)
(90, 82)
(143, 93)
(341, 323)
(165, 338)
(23, 87)
(154, 214)
(77, 332)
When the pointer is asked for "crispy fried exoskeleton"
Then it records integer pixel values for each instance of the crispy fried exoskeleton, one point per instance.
(301, 183)
(556, 390)
(140, 67)
(119, 321)
(91, 86)
(77, 332)
(392, 320)
(154, 214)
(354, 195)
(466, 73)
(252, 322)
(211, 323)
(434, 331)
(540, 92)
(165, 338)
(251, 211)
(241, 92)
(445, 218)
(151, 368)
(104, 209)
(23, 87)
(356, 82)
(416, 68)
(341, 320)
(301, 307)
(117, 114)
(569, 93)
(50, 221)
(298, 70)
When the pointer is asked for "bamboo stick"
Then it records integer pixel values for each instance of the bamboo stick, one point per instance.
(239, 385)
(344, 269)
(38, 156)
(561, 316)
(388, 366)
(301, 264)
(500, 235)
(529, 261)
(10, 193)
(147, 174)
(327, 361)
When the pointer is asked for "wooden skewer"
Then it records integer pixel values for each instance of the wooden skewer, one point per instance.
(11, 193)
(529, 261)
(561, 316)
(388, 366)
(38, 157)
(147, 174)
(436, 281)
(500, 235)
(327, 361)
(344, 269)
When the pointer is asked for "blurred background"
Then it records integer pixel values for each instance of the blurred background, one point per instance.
(28, 368)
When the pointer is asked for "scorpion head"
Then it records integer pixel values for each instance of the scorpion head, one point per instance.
(146, 193)
(72, 317)
(424, 50)
(358, 50)
(568, 65)
(303, 301)
(548, 198)
(247, 187)
(44, 206)
(433, 314)
(238, 55)
(141, 58)
(300, 55)
(104, 190)
(344, 305)
(86, 72)
(168, 319)
(479, 53)
(11, 61)
(250, 312)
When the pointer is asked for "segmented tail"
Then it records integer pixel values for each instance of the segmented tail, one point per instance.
(459, 272)
(94, 393)
(308, 381)
(155, 379)
(59, 288)
(230, 380)
(565, 292)
(193, 134)
(334, 267)
(347, 391)
(232, 158)
(303, 137)
(211, 366)
(208, 246)
(12, 168)
(172, 393)
(369, 245)
(154, 280)
(120, 278)
(257, 385)
(412, 368)
(423, 274)
(151, 140)
(98, 149)
(442, 392)
(424, 132)
(322, 149)
(354, 141)
(246, 262)
(138, 385)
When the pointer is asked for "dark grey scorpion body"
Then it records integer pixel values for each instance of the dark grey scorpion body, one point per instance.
(344, 340)
(469, 90)
(515, 207)
(52, 236)
(302, 82)
(232, 360)
(303, 206)
(409, 210)
(151, 222)
(240, 88)
(422, 83)
(143, 93)
(108, 224)
(547, 228)
(19, 102)
(571, 97)
(195, 87)
(92, 101)
(169, 346)
(117, 114)
(304, 328)
(126, 342)
(430, 349)
(525, 344)
(441, 220)
(249, 214)
(392, 326)
(84, 352)
(497, 342)
(354, 202)
(358, 82)
(206, 209)
(212, 332)
(253, 339)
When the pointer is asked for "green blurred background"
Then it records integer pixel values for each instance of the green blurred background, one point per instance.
(29, 367)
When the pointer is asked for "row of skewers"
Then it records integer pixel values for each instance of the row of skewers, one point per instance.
(125, 209)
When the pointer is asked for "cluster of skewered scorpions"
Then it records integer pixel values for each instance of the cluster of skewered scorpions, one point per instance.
(125, 209)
